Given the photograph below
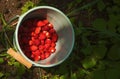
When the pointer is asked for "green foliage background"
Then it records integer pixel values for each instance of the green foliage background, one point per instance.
(96, 53)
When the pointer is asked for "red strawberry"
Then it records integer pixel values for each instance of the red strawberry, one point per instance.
(33, 38)
(33, 48)
(36, 53)
(48, 41)
(36, 42)
(53, 44)
(42, 36)
(52, 49)
(47, 34)
(40, 23)
(45, 28)
(37, 30)
(32, 34)
(37, 58)
(47, 46)
(36, 36)
(42, 56)
(52, 31)
(45, 21)
(54, 37)
(50, 25)
(41, 47)
(47, 54)
(42, 42)
(30, 42)
(32, 56)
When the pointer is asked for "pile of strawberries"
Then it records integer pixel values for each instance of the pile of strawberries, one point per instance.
(37, 38)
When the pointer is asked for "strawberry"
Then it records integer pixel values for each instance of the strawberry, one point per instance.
(42, 56)
(36, 53)
(42, 36)
(48, 41)
(40, 23)
(41, 47)
(30, 42)
(53, 44)
(42, 42)
(50, 25)
(37, 30)
(54, 37)
(37, 58)
(47, 54)
(45, 28)
(47, 46)
(52, 31)
(47, 34)
(45, 21)
(52, 49)
(33, 48)
(36, 42)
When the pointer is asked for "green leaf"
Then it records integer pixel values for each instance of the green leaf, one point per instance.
(81, 73)
(99, 24)
(111, 25)
(114, 52)
(85, 40)
(21, 70)
(16, 64)
(86, 50)
(28, 5)
(1, 74)
(113, 74)
(101, 5)
(3, 54)
(101, 65)
(73, 76)
(114, 18)
(78, 30)
(65, 76)
(88, 62)
(1, 60)
(55, 77)
(99, 51)
(98, 74)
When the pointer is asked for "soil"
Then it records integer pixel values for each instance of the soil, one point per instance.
(11, 8)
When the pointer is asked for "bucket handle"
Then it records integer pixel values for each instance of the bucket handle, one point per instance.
(19, 58)
(12, 19)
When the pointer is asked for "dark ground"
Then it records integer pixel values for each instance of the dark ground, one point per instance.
(10, 8)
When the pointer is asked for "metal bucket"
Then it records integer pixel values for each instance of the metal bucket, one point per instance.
(63, 27)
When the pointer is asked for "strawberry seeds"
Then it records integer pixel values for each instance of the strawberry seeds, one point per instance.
(37, 38)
